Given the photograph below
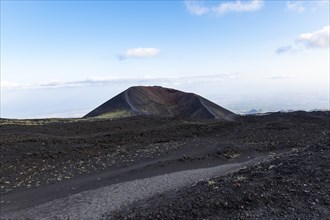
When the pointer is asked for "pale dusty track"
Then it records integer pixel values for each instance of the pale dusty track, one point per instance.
(93, 204)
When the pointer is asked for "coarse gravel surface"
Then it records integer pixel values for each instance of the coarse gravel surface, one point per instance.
(59, 161)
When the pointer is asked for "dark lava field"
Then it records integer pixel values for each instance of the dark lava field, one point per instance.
(46, 160)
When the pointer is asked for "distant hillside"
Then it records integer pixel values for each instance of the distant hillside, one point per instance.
(156, 100)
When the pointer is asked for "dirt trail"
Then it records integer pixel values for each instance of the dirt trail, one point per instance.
(195, 154)
(93, 204)
(129, 102)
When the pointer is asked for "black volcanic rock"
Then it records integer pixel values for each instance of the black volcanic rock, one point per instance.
(156, 100)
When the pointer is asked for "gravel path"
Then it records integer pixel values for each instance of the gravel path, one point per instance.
(93, 204)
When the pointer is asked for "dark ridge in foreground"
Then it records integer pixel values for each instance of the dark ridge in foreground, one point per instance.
(156, 100)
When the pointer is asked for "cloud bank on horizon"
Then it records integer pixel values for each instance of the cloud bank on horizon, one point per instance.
(94, 81)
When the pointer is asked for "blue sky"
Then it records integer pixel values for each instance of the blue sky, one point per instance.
(64, 58)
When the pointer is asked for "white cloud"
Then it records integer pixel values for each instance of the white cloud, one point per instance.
(307, 6)
(322, 3)
(296, 6)
(279, 77)
(198, 8)
(317, 39)
(238, 6)
(312, 40)
(285, 49)
(140, 53)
